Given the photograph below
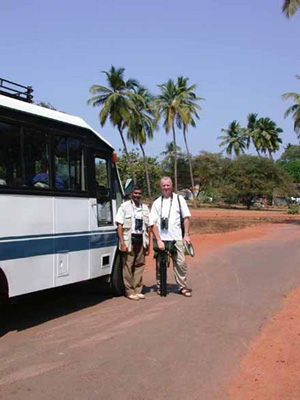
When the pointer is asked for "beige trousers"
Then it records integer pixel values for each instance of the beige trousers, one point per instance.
(179, 266)
(133, 268)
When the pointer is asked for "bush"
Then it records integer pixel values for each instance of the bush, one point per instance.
(294, 209)
(209, 195)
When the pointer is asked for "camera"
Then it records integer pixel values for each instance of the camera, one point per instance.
(138, 224)
(164, 223)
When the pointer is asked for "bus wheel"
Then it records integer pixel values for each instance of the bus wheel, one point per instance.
(116, 281)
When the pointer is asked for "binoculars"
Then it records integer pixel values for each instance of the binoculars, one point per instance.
(164, 223)
(138, 224)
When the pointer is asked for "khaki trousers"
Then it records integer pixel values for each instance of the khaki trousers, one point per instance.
(179, 266)
(133, 268)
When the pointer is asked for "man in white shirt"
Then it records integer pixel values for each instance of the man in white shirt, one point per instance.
(165, 215)
(133, 228)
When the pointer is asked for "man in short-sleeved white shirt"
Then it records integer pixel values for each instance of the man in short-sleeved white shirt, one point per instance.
(133, 228)
(167, 208)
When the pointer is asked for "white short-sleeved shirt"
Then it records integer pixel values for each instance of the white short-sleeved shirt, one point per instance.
(161, 208)
(136, 213)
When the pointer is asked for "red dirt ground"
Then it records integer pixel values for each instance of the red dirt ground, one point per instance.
(270, 370)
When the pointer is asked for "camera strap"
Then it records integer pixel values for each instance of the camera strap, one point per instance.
(161, 207)
(181, 218)
(134, 210)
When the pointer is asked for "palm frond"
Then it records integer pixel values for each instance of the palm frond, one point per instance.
(290, 7)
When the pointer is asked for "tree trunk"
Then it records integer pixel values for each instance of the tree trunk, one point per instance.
(191, 168)
(175, 158)
(127, 155)
(270, 154)
(147, 174)
(257, 151)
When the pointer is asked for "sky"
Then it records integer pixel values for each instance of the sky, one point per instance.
(242, 55)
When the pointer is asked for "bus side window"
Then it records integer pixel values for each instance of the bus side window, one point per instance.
(10, 155)
(69, 163)
(21, 153)
(36, 158)
(104, 208)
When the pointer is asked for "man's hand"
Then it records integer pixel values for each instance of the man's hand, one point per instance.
(124, 248)
(161, 245)
(187, 238)
(147, 251)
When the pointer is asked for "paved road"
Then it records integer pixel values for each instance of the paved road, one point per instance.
(76, 344)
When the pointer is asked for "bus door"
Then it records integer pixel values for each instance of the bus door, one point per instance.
(103, 240)
(71, 211)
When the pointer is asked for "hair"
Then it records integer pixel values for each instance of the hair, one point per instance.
(136, 187)
(166, 178)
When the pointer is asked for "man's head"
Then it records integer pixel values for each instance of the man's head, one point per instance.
(166, 186)
(136, 194)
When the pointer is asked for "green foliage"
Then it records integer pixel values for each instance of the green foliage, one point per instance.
(290, 7)
(294, 110)
(139, 166)
(266, 136)
(207, 170)
(293, 168)
(101, 173)
(167, 166)
(243, 180)
(177, 105)
(291, 153)
(250, 178)
(235, 139)
(290, 161)
(294, 209)
(116, 100)
(262, 132)
(209, 195)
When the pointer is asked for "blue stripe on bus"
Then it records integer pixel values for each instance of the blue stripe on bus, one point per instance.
(38, 247)
(50, 235)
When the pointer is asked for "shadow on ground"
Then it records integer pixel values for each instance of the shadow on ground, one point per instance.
(171, 288)
(37, 308)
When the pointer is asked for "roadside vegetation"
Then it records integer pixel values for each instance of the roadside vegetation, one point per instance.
(235, 177)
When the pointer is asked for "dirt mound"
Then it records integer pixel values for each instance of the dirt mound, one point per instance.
(215, 220)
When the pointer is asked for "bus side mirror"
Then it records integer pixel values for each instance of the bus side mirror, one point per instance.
(128, 187)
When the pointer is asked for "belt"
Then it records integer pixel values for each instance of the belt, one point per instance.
(136, 235)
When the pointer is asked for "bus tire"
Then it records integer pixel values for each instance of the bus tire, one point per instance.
(116, 281)
(4, 299)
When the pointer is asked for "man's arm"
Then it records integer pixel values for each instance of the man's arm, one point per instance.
(121, 238)
(186, 219)
(186, 222)
(160, 243)
(154, 218)
(149, 231)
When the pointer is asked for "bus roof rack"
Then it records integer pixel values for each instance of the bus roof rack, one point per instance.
(12, 89)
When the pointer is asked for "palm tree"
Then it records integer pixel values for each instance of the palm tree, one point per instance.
(290, 7)
(186, 111)
(167, 104)
(169, 152)
(141, 127)
(117, 101)
(267, 136)
(251, 132)
(294, 109)
(235, 139)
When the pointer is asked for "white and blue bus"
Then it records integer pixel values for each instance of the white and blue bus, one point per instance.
(59, 192)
